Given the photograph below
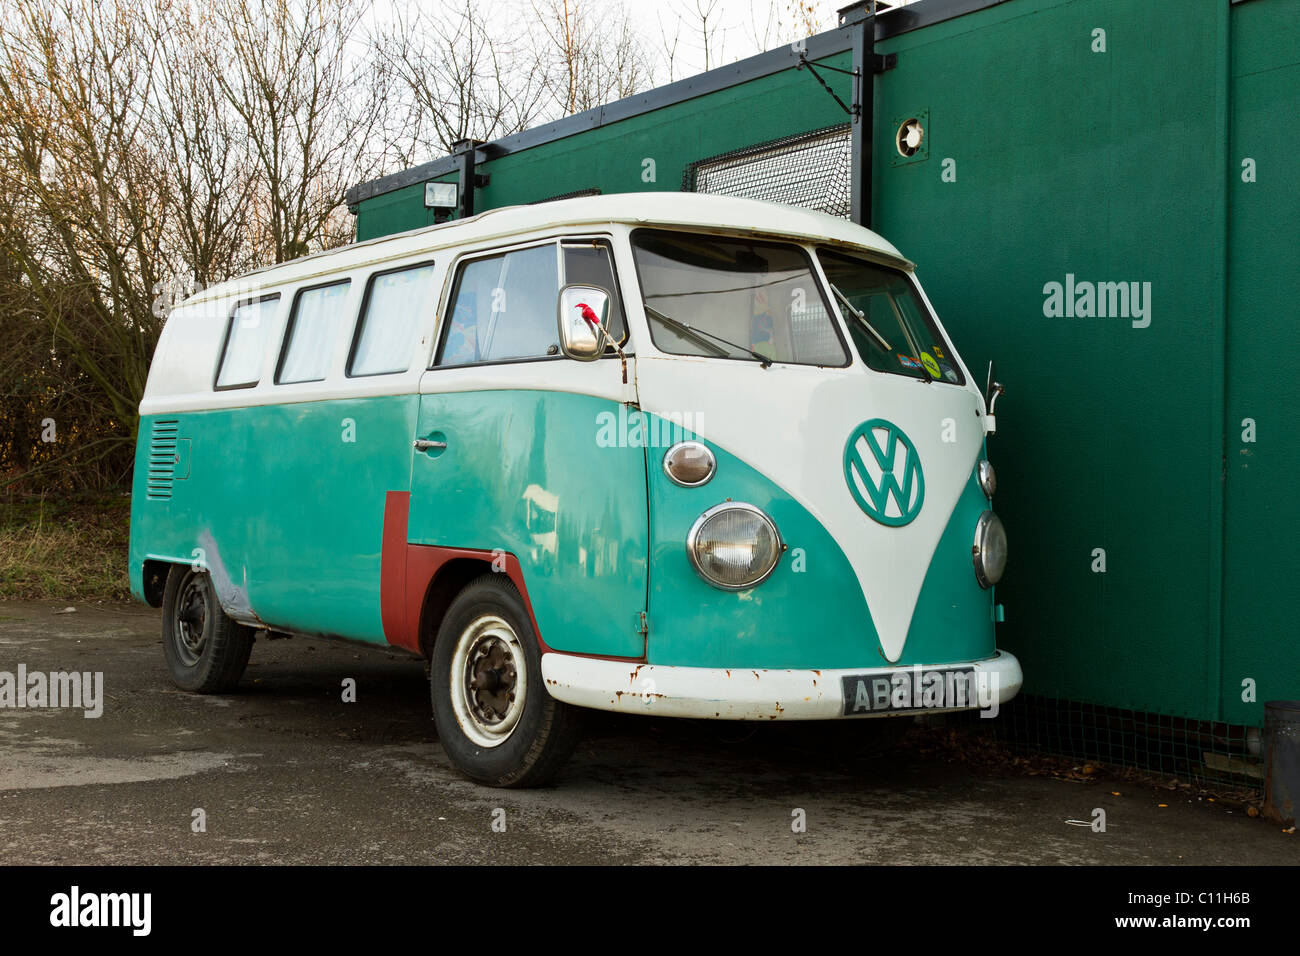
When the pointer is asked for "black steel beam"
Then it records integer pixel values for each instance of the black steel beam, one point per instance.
(926, 13)
(861, 19)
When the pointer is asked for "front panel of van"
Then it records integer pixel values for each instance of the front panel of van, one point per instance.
(855, 587)
(848, 592)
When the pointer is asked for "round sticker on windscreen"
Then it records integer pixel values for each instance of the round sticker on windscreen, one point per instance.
(931, 365)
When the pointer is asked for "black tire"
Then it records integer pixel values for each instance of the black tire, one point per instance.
(489, 734)
(206, 650)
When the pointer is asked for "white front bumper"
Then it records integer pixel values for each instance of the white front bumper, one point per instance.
(745, 694)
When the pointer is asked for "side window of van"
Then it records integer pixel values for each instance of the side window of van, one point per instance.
(503, 307)
(313, 329)
(390, 317)
(242, 354)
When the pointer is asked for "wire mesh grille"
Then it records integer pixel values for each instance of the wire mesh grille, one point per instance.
(1201, 752)
(576, 194)
(809, 170)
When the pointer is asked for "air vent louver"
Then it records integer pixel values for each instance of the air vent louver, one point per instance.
(162, 459)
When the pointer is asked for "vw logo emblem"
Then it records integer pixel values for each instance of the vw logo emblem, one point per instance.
(883, 472)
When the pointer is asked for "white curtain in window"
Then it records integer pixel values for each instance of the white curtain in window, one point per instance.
(242, 363)
(315, 324)
(393, 312)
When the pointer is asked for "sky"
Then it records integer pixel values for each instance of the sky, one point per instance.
(738, 28)
(743, 27)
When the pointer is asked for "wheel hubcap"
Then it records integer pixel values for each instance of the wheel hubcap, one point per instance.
(191, 621)
(489, 680)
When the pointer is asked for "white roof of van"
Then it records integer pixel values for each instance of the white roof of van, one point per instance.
(721, 213)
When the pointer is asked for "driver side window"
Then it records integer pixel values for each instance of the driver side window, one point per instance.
(503, 308)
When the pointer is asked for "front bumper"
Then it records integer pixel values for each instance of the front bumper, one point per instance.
(747, 694)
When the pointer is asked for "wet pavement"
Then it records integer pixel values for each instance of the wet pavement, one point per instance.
(284, 771)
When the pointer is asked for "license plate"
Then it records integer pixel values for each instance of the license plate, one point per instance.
(910, 689)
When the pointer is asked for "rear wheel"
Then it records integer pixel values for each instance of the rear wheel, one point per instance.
(206, 649)
(495, 719)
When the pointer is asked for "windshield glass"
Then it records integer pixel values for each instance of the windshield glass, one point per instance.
(734, 298)
(890, 305)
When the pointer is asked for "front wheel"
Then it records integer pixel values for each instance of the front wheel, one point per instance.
(206, 649)
(494, 717)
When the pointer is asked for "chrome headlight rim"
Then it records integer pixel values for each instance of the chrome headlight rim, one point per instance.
(683, 445)
(693, 535)
(987, 477)
(978, 549)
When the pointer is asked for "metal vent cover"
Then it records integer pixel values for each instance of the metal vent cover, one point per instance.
(163, 457)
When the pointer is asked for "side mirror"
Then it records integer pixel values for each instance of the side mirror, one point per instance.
(579, 306)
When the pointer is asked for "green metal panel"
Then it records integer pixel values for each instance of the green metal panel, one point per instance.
(953, 620)
(285, 505)
(1262, 588)
(1065, 160)
(523, 472)
(397, 211)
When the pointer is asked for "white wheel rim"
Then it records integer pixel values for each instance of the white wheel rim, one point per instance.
(489, 680)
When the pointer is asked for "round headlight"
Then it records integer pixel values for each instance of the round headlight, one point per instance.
(734, 546)
(988, 478)
(990, 549)
(690, 463)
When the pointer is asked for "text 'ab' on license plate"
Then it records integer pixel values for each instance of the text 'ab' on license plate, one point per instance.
(910, 689)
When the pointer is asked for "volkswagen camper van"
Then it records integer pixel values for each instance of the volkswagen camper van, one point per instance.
(660, 453)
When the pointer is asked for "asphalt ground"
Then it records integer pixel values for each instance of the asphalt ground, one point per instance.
(284, 771)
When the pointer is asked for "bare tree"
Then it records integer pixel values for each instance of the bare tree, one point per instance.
(213, 178)
(91, 213)
(704, 21)
(145, 142)
(590, 60)
(305, 100)
(774, 23)
(453, 80)
(173, 143)
(804, 18)
(668, 44)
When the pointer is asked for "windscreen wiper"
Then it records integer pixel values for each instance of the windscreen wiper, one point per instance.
(861, 317)
(696, 334)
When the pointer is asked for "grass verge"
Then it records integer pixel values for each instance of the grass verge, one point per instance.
(67, 550)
